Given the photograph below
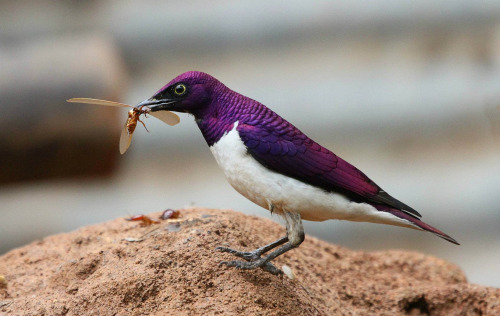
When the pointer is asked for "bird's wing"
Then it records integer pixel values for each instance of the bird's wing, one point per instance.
(281, 147)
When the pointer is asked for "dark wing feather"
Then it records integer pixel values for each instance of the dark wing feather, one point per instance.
(283, 148)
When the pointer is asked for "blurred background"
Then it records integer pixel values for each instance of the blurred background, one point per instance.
(407, 91)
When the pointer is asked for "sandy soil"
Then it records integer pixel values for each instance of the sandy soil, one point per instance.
(171, 268)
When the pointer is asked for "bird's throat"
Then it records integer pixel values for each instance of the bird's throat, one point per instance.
(214, 128)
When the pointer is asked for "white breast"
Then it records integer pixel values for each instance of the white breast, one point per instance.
(265, 187)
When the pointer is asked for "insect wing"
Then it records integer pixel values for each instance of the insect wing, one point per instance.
(125, 139)
(98, 102)
(167, 117)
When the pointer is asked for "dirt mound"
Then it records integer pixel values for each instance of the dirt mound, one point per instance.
(120, 268)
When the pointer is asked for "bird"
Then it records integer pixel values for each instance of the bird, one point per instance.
(275, 165)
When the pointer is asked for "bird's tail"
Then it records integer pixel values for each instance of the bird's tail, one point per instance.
(419, 224)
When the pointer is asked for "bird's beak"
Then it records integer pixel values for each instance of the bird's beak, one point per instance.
(157, 105)
(160, 109)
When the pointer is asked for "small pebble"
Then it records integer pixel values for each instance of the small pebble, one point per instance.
(131, 239)
(288, 272)
(169, 214)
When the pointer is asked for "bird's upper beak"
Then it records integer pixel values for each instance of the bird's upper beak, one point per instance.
(157, 105)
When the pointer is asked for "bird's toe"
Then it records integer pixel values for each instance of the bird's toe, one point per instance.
(248, 256)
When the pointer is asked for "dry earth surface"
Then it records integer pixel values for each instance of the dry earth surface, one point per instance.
(171, 268)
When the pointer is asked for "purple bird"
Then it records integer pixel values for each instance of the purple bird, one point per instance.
(276, 166)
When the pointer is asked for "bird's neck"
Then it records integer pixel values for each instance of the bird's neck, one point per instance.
(213, 128)
(216, 120)
(220, 117)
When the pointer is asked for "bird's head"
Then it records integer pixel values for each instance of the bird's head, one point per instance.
(192, 92)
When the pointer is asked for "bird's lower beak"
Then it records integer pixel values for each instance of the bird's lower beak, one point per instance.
(156, 105)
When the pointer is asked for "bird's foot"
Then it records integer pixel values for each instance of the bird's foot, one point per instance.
(249, 265)
(253, 259)
(248, 256)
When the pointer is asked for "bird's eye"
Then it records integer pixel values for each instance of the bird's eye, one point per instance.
(180, 89)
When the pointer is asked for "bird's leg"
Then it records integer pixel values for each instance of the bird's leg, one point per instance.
(255, 255)
(295, 236)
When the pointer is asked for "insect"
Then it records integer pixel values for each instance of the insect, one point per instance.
(132, 119)
(145, 220)
(129, 128)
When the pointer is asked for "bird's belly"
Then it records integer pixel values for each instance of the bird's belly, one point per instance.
(266, 187)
